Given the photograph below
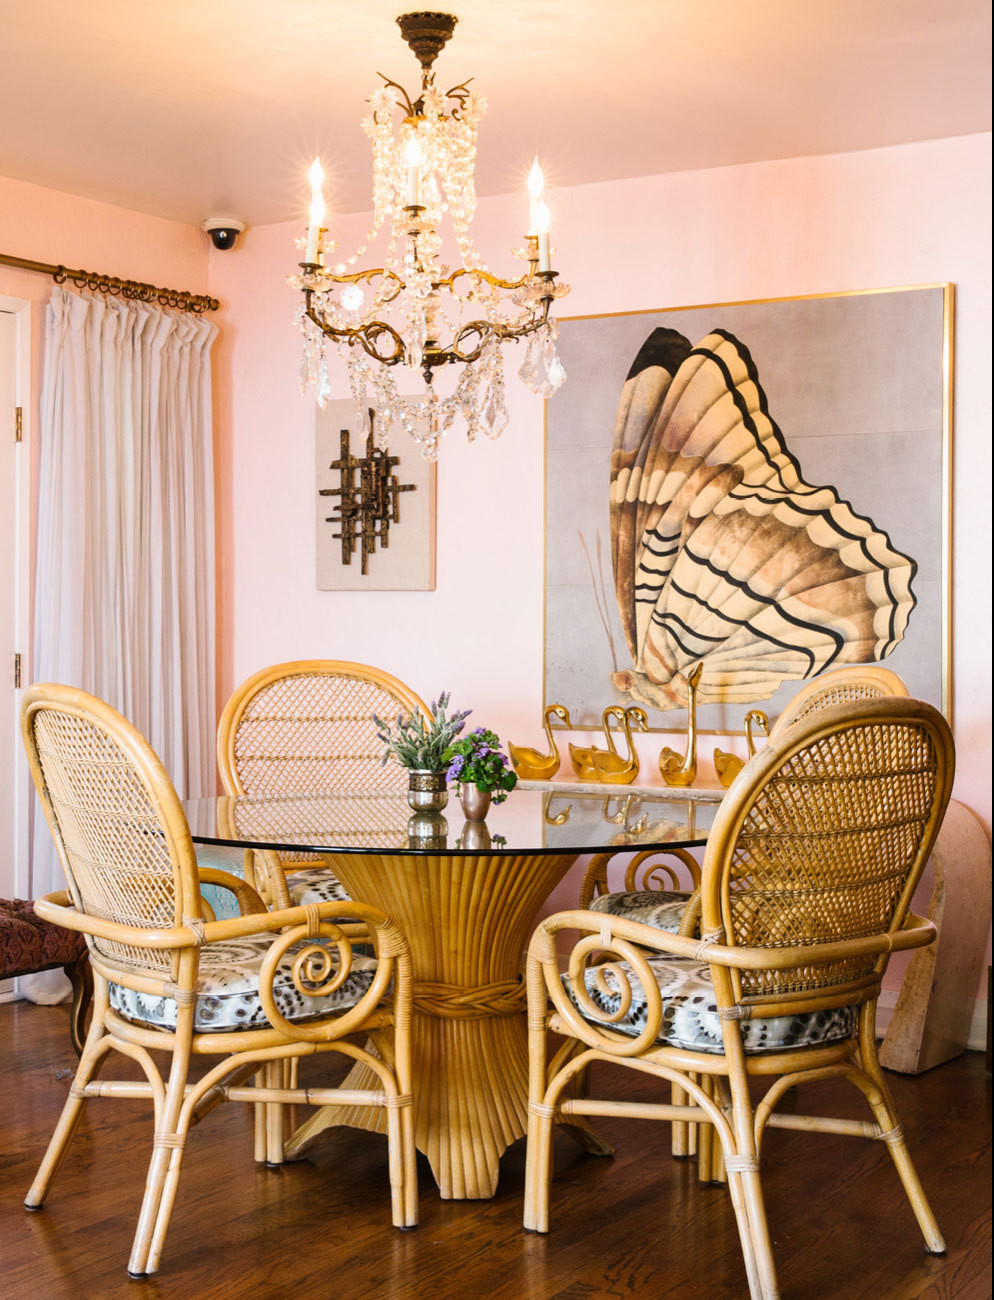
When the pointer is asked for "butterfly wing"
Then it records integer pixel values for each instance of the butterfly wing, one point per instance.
(722, 551)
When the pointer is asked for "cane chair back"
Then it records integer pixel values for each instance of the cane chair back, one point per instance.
(308, 727)
(116, 820)
(840, 686)
(824, 841)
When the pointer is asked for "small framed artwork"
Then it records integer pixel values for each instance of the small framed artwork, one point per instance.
(375, 507)
(761, 488)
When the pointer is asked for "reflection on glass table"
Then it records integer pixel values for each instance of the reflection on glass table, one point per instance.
(531, 821)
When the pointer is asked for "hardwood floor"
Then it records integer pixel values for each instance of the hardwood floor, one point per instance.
(636, 1225)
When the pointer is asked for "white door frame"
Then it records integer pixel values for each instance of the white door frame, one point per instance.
(21, 309)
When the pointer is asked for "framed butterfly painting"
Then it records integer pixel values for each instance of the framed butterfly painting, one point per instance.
(758, 487)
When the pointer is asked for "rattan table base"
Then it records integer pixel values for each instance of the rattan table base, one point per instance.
(468, 920)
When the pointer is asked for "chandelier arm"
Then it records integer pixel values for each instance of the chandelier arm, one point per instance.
(365, 335)
(476, 273)
(354, 277)
(485, 331)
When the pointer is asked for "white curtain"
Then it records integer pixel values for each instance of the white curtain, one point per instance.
(124, 583)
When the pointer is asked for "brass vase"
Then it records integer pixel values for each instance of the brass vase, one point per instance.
(427, 791)
(475, 802)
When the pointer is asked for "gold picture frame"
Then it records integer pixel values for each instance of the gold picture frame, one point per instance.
(935, 300)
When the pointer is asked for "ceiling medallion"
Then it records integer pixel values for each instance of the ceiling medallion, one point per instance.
(431, 313)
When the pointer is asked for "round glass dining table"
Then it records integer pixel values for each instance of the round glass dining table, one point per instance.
(466, 894)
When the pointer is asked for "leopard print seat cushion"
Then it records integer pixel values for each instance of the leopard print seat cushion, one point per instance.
(228, 989)
(316, 884)
(660, 908)
(690, 1014)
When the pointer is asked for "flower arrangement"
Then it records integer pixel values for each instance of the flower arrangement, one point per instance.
(478, 761)
(418, 743)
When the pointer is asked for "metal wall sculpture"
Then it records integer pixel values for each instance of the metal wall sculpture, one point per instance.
(368, 499)
(374, 511)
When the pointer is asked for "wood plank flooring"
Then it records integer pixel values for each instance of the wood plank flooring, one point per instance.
(636, 1225)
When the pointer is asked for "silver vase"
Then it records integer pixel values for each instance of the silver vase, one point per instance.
(475, 802)
(427, 791)
(427, 830)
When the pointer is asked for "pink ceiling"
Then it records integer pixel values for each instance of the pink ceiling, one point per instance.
(201, 106)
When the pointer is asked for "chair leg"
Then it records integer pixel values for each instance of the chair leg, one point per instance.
(403, 1170)
(742, 1165)
(167, 1153)
(259, 1122)
(745, 1234)
(885, 1113)
(65, 1129)
(538, 1172)
(757, 1241)
(272, 1074)
(410, 1158)
(678, 1129)
(81, 977)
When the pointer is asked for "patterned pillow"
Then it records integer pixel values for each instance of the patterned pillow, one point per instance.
(690, 1014)
(228, 989)
(660, 908)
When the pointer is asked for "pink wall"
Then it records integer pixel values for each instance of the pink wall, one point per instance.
(885, 217)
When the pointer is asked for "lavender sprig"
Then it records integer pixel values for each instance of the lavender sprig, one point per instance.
(420, 742)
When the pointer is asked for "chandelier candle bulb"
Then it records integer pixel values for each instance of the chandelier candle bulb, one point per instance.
(317, 213)
(542, 225)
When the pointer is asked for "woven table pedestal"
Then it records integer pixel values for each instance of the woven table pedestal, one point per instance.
(468, 920)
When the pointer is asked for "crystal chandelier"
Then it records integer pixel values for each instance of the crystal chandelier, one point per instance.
(432, 313)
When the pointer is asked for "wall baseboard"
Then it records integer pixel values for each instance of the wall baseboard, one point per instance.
(977, 1041)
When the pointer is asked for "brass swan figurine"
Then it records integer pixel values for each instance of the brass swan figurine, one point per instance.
(582, 755)
(554, 819)
(728, 766)
(681, 769)
(610, 766)
(529, 764)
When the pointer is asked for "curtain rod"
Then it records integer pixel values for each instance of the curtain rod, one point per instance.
(178, 298)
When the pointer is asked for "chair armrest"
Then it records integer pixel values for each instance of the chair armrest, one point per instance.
(915, 933)
(361, 915)
(631, 942)
(61, 910)
(249, 902)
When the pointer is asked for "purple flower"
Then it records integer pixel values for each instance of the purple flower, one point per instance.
(456, 766)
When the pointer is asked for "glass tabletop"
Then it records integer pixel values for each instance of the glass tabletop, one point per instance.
(530, 821)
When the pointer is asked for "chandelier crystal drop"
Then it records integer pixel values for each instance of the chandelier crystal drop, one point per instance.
(431, 316)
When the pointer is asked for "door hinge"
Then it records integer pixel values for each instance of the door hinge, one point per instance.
(17, 672)
(18, 423)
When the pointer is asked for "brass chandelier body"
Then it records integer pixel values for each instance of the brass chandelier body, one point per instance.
(411, 310)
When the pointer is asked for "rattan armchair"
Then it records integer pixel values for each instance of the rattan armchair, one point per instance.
(306, 728)
(256, 992)
(805, 892)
